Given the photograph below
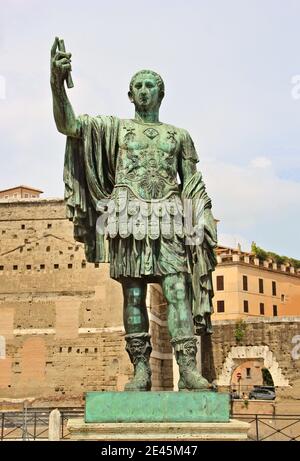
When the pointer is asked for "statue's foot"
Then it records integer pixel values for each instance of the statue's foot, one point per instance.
(141, 380)
(192, 380)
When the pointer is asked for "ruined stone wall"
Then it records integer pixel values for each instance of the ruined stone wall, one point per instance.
(275, 341)
(61, 320)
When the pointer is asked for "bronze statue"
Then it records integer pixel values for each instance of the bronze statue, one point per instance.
(124, 173)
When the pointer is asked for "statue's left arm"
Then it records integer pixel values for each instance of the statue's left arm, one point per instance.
(188, 159)
(201, 251)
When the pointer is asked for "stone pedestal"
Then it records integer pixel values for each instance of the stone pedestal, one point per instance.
(232, 431)
(157, 416)
(150, 407)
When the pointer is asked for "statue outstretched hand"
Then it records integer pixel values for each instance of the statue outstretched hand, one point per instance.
(60, 64)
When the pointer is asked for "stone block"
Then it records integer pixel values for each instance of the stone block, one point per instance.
(197, 406)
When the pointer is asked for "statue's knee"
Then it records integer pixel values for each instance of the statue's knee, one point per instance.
(174, 288)
(135, 297)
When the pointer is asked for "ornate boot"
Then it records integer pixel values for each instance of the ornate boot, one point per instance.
(185, 352)
(139, 349)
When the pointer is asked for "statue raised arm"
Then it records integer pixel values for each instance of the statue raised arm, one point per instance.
(64, 116)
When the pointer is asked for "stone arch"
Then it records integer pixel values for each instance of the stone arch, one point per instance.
(2, 347)
(251, 352)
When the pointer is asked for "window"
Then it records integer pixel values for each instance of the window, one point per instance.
(248, 372)
(282, 298)
(273, 288)
(220, 282)
(15, 195)
(96, 265)
(26, 195)
(262, 309)
(42, 266)
(49, 226)
(70, 266)
(6, 196)
(33, 196)
(275, 313)
(83, 264)
(261, 285)
(48, 249)
(15, 268)
(246, 306)
(56, 266)
(28, 267)
(1, 268)
(245, 283)
(23, 226)
(220, 306)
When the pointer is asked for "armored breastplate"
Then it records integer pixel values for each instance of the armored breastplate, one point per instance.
(147, 159)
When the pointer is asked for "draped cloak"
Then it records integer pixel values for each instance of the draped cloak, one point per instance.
(89, 177)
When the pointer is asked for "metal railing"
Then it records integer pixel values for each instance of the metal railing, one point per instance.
(33, 423)
(271, 427)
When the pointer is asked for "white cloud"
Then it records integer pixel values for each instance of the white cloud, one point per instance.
(261, 162)
(254, 206)
(233, 240)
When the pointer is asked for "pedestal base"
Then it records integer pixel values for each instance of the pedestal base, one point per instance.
(171, 431)
(160, 407)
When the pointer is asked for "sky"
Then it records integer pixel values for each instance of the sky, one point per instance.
(232, 75)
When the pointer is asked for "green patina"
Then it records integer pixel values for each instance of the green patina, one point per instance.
(135, 164)
(126, 407)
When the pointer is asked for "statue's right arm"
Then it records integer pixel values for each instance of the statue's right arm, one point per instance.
(64, 116)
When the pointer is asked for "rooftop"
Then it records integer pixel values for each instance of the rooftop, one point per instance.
(22, 187)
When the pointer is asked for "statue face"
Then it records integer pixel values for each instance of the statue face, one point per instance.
(145, 93)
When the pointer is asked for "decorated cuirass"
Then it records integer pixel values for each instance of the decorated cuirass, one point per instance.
(148, 159)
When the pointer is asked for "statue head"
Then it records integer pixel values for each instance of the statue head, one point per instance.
(146, 90)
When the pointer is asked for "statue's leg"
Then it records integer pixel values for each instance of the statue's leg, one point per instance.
(136, 325)
(181, 329)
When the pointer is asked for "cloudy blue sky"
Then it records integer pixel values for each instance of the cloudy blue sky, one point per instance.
(228, 68)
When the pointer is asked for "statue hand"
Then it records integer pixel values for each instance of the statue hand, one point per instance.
(60, 64)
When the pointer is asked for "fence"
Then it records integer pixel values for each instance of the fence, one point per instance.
(32, 424)
(272, 427)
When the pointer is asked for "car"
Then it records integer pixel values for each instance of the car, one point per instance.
(234, 395)
(261, 393)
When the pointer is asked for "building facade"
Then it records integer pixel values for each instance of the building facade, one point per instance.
(20, 192)
(246, 286)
